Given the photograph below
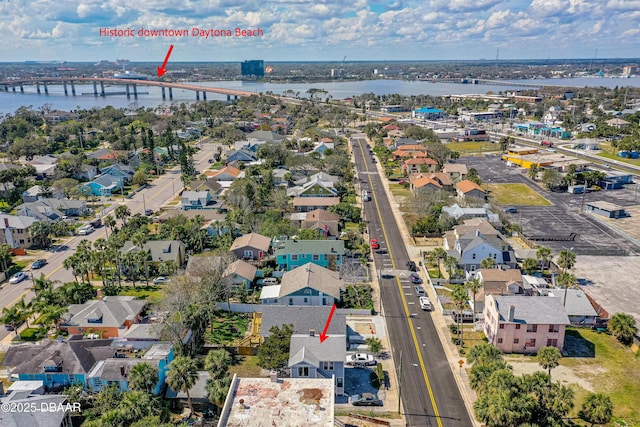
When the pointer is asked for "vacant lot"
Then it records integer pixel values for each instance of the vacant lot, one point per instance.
(473, 147)
(516, 194)
(635, 162)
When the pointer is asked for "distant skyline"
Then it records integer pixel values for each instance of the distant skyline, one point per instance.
(300, 30)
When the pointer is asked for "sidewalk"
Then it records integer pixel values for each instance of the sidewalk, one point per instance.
(461, 376)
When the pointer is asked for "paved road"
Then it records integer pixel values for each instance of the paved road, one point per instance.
(157, 194)
(429, 392)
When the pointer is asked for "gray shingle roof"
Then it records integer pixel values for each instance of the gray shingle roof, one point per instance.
(160, 250)
(532, 310)
(312, 276)
(303, 318)
(110, 368)
(310, 349)
(113, 311)
(577, 303)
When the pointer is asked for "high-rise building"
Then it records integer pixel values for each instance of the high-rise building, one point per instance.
(254, 68)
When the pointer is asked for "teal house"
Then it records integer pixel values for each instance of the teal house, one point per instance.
(325, 253)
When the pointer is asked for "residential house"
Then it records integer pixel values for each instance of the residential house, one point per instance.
(199, 394)
(496, 281)
(432, 181)
(516, 324)
(116, 370)
(419, 165)
(577, 305)
(45, 166)
(467, 189)
(325, 253)
(109, 316)
(476, 240)
(119, 170)
(59, 116)
(399, 142)
(309, 285)
(270, 400)
(159, 251)
(456, 171)
(227, 173)
(264, 135)
(242, 155)
(86, 173)
(325, 222)
(458, 212)
(14, 231)
(251, 246)
(318, 185)
(57, 363)
(323, 145)
(103, 185)
(280, 176)
(108, 156)
(195, 200)
(308, 204)
(617, 123)
(302, 318)
(240, 273)
(51, 210)
(310, 358)
(36, 401)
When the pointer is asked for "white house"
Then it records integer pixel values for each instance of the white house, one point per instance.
(310, 358)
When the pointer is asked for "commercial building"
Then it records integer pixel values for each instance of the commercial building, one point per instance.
(253, 68)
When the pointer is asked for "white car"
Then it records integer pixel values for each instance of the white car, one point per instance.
(18, 277)
(360, 359)
(86, 229)
(425, 304)
(161, 279)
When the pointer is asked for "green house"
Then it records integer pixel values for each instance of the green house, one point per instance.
(325, 253)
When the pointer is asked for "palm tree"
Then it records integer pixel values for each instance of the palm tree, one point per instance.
(549, 358)
(459, 296)
(543, 255)
(530, 265)
(5, 256)
(143, 377)
(597, 409)
(218, 390)
(50, 315)
(109, 222)
(11, 316)
(623, 327)
(217, 363)
(436, 256)
(122, 213)
(474, 285)
(182, 376)
(566, 260)
(450, 263)
(488, 262)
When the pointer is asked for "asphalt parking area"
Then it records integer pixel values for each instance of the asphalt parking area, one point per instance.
(563, 225)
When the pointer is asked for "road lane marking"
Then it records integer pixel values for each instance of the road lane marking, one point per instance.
(406, 308)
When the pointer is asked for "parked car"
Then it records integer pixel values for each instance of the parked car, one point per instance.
(365, 399)
(86, 229)
(419, 291)
(18, 277)
(148, 212)
(161, 279)
(415, 279)
(375, 244)
(39, 263)
(511, 209)
(412, 266)
(360, 359)
(270, 281)
(425, 304)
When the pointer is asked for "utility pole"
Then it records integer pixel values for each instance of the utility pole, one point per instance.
(144, 205)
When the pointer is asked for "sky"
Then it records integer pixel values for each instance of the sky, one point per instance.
(321, 30)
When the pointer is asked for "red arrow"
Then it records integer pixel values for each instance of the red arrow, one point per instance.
(162, 70)
(323, 335)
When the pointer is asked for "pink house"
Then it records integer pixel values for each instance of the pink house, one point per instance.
(524, 324)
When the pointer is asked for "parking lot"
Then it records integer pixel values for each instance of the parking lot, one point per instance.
(554, 225)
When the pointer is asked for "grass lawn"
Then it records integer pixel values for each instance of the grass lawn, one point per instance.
(29, 334)
(516, 194)
(473, 147)
(615, 370)
(635, 162)
(152, 294)
(350, 226)
(227, 328)
(398, 190)
(245, 367)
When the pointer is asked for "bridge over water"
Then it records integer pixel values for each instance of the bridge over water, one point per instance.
(131, 86)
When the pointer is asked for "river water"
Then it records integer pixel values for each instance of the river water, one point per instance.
(9, 101)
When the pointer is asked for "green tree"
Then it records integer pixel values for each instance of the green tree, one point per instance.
(182, 376)
(217, 363)
(533, 172)
(435, 256)
(143, 377)
(530, 265)
(474, 286)
(566, 260)
(274, 352)
(488, 263)
(374, 345)
(623, 327)
(543, 255)
(40, 231)
(122, 213)
(460, 297)
(597, 409)
(549, 358)
(450, 263)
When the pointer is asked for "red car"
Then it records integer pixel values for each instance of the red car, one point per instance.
(375, 244)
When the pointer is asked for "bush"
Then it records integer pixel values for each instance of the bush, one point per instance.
(453, 328)
(31, 334)
(377, 376)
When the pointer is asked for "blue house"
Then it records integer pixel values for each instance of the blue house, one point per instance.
(242, 155)
(119, 170)
(103, 185)
(116, 370)
(325, 253)
(428, 113)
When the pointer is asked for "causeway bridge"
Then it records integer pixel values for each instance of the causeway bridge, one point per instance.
(130, 86)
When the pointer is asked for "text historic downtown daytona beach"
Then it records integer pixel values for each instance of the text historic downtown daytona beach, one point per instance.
(182, 32)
